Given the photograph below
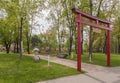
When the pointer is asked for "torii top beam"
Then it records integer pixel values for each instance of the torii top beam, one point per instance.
(76, 11)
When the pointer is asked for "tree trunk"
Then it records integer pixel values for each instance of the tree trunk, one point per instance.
(71, 40)
(28, 47)
(91, 30)
(70, 28)
(7, 48)
(28, 42)
(14, 47)
(70, 43)
(59, 38)
(17, 45)
(20, 42)
(90, 33)
(76, 44)
(90, 42)
(75, 39)
(104, 47)
(7, 45)
(82, 41)
(59, 42)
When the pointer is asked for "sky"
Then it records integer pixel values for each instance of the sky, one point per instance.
(2, 14)
(42, 23)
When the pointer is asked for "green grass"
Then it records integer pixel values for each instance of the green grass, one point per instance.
(100, 59)
(13, 70)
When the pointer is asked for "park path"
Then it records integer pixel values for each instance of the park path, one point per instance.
(95, 73)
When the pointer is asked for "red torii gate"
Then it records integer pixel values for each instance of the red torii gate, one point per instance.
(80, 21)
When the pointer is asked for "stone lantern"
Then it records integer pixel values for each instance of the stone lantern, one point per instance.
(36, 56)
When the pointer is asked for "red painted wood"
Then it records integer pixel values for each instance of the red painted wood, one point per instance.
(76, 11)
(79, 45)
(96, 25)
(108, 46)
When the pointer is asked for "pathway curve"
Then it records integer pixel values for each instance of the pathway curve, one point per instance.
(95, 73)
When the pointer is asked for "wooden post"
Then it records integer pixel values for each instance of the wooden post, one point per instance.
(108, 46)
(79, 45)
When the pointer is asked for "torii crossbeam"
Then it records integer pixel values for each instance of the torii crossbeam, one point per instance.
(97, 24)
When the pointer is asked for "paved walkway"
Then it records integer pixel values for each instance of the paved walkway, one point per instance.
(96, 74)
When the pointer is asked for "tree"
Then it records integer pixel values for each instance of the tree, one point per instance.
(35, 41)
(6, 33)
(8, 26)
(22, 11)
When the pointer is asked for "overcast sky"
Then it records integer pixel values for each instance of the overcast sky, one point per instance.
(42, 23)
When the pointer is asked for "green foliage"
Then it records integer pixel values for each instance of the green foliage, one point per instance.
(27, 71)
(35, 41)
(12, 24)
(61, 20)
(64, 18)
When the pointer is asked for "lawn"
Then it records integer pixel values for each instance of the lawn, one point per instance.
(13, 70)
(100, 59)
